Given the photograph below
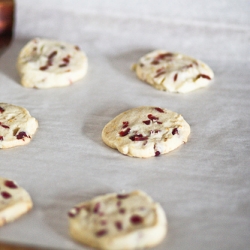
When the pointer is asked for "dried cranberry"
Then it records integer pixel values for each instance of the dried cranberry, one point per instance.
(5, 195)
(122, 211)
(1, 138)
(124, 133)
(147, 122)
(66, 59)
(175, 77)
(136, 219)
(122, 196)
(159, 122)
(163, 56)
(73, 212)
(10, 184)
(101, 233)
(155, 62)
(63, 65)
(97, 207)
(151, 117)
(21, 135)
(159, 110)
(157, 153)
(159, 74)
(139, 137)
(125, 124)
(1, 110)
(77, 47)
(44, 67)
(175, 131)
(118, 225)
(52, 54)
(5, 126)
(204, 76)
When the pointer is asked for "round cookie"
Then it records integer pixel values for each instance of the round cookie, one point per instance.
(17, 127)
(146, 131)
(173, 72)
(44, 63)
(118, 221)
(14, 201)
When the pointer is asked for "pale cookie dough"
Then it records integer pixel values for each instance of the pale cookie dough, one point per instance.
(146, 131)
(44, 63)
(14, 201)
(173, 72)
(17, 127)
(118, 222)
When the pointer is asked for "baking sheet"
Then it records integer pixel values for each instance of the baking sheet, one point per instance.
(204, 186)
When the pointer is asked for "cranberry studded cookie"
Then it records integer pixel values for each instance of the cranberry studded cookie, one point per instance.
(146, 131)
(44, 63)
(17, 127)
(173, 72)
(118, 221)
(14, 201)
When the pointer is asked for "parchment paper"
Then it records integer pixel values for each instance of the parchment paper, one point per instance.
(203, 186)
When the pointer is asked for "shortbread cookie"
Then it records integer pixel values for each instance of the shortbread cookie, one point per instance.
(118, 221)
(14, 201)
(17, 127)
(173, 72)
(146, 131)
(44, 63)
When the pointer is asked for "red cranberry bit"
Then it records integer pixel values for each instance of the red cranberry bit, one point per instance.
(44, 67)
(204, 76)
(5, 126)
(152, 118)
(122, 196)
(21, 135)
(1, 138)
(118, 225)
(157, 153)
(97, 208)
(139, 137)
(136, 219)
(163, 56)
(175, 77)
(122, 211)
(1, 110)
(101, 232)
(77, 47)
(124, 133)
(5, 195)
(52, 54)
(155, 62)
(66, 59)
(159, 110)
(73, 212)
(147, 122)
(159, 122)
(10, 184)
(125, 124)
(63, 65)
(160, 73)
(175, 131)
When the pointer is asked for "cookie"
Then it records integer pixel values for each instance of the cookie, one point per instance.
(14, 201)
(44, 63)
(173, 72)
(118, 221)
(17, 127)
(146, 131)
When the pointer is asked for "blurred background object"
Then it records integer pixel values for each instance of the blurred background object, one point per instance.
(6, 21)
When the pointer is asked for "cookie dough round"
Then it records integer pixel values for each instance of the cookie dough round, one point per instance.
(173, 72)
(14, 201)
(146, 131)
(17, 127)
(44, 63)
(118, 222)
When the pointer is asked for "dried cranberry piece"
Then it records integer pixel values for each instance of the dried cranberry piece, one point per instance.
(5, 195)
(160, 73)
(63, 65)
(101, 233)
(151, 117)
(77, 47)
(175, 131)
(1, 110)
(21, 135)
(1, 138)
(5, 126)
(66, 59)
(164, 55)
(122, 196)
(10, 184)
(139, 137)
(52, 54)
(118, 225)
(159, 110)
(124, 133)
(44, 67)
(159, 122)
(155, 62)
(125, 124)
(97, 207)
(122, 210)
(157, 153)
(136, 219)
(147, 122)
(204, 76)
(175, 77)
(73, 212)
